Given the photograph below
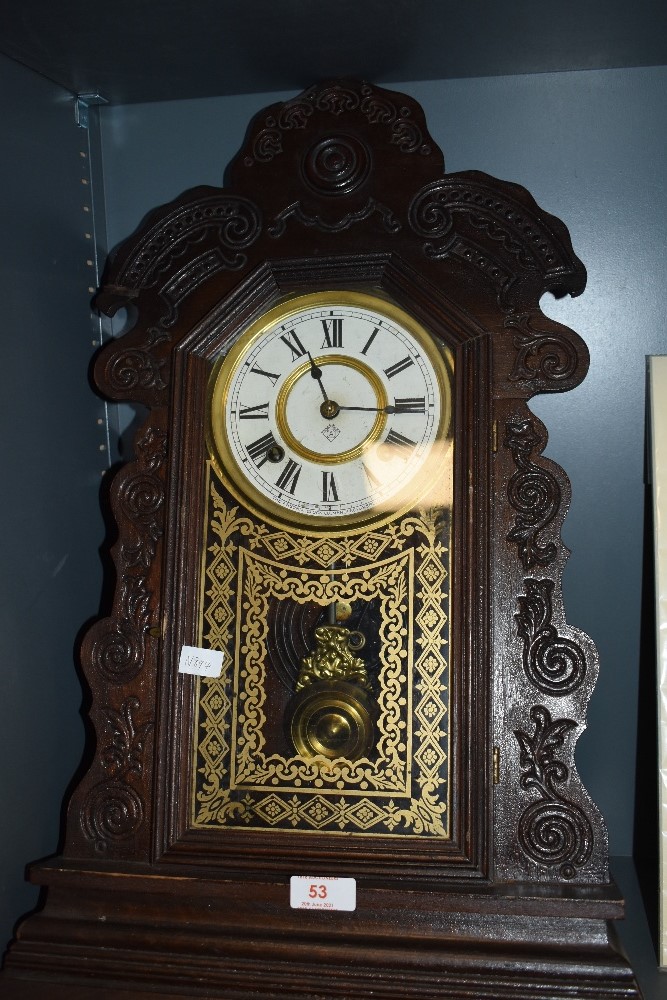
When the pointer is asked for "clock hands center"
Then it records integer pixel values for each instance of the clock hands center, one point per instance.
(330, 409)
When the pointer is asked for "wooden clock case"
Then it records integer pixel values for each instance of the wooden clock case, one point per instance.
(340, 188)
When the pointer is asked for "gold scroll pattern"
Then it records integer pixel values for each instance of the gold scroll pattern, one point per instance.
(403, 788)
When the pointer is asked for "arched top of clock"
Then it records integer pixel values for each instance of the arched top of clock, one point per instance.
(339, 168)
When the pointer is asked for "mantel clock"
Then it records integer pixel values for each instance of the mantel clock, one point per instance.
(337, 647)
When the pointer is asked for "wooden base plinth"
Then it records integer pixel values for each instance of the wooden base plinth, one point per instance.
(145, 935)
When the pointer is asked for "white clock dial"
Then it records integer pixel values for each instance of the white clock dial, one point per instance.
(331, 407)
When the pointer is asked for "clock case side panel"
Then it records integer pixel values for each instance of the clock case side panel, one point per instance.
(547, 829)
(110, 811)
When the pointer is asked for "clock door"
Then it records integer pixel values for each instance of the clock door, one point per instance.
(323, 720)
(334, 725)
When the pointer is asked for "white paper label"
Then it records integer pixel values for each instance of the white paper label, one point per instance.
(202, 662)
(308, 892)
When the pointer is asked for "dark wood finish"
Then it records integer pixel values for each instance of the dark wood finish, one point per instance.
(339, 188)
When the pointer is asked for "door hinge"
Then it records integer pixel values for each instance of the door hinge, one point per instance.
(496, 765)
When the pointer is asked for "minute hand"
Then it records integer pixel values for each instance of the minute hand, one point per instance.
(372, 409)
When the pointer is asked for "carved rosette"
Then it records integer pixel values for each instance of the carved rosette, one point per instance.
(113, 811)
(377, 107)
(552, 831)
(118, 653)
(533, 492)
(319, 134)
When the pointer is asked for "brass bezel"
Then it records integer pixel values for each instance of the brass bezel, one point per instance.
(415, 493)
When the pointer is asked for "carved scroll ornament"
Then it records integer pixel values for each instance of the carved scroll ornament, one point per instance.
(552, 830)
(553, 663)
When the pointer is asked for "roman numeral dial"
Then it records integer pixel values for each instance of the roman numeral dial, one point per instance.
(330, 411)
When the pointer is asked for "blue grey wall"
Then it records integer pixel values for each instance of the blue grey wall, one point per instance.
(49, 453)
(591, 147)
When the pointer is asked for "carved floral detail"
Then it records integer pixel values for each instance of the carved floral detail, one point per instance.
(152, 449)
(118, 653)
(142, 497)
(135, 368)
(113, 810)
(533, 492)
(267, 145)
(556, 665)
(231, 223)
(336, 99)
(294, 114)
(552, 831)
(124, 754)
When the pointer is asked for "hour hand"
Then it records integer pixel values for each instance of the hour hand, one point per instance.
(317, 374)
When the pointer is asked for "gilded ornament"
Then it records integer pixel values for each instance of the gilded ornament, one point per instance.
(333, 658)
